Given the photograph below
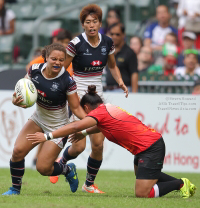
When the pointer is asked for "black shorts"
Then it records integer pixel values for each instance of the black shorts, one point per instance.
(150, 161)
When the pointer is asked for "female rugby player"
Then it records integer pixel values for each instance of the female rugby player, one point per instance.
(122, 128)
(55, 87)
(89, 54)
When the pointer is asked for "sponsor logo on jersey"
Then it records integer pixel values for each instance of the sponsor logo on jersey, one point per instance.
(103, 50)
(41, 93)
(94, 68)
(35, 79)
(87, 52)
(44, 99)
(54, 86)
(96, 63)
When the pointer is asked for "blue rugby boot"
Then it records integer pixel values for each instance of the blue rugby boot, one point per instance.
(72, 177)
(11, 191)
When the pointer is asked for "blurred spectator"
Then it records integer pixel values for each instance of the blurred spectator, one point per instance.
(171, 38)
(64, 37)
(136, 44)
(145, 58)
(169, 60)
(54, 35)
(196, 88)
(189, 18)
(155, 33)
(191, 68)
(188, 39)
(126, 60)
(112, 17)
(7, 20)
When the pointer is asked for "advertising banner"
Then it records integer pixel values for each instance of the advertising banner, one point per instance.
(176, 117)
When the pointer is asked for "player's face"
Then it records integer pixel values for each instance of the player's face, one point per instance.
(55, 61)
(91, 25)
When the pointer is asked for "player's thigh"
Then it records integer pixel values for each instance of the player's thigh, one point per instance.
(97, 140)
(47, 156)
(144, 186)
(22, 145)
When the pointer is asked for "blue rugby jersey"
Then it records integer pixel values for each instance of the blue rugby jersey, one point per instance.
(88, 60)
(52, 95)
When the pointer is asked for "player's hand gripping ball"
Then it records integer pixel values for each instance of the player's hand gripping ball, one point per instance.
(28, 92)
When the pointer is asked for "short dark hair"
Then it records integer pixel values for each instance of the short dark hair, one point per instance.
(91, 9)
(118, 24)
(64, 34)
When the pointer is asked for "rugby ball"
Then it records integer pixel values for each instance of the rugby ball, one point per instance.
(27, 90)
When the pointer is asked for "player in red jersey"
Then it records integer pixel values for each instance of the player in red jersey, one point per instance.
(122, 128)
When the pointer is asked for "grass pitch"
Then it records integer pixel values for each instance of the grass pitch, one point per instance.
(38, 192)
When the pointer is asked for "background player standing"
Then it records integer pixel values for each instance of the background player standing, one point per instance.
(89, 53)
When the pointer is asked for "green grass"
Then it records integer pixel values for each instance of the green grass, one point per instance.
(38, 192)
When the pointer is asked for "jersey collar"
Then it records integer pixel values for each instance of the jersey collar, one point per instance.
(86, 39)
(59, 74)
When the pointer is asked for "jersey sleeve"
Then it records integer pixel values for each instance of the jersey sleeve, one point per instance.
(98, 114)
(71, 48)
(112, 48)
(72, 88)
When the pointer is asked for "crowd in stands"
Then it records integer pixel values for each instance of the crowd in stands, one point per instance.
(163, 50)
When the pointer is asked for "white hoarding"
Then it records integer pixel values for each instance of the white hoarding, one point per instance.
(177, 117)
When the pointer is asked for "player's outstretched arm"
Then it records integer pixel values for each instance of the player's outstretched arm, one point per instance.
(63, 131)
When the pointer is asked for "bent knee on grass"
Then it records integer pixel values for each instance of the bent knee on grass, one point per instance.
(44, 170)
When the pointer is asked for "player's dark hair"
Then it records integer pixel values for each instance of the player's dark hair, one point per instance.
(91, 97)
(118, 24)
(64, 34)
(49, 48)
(2, 15)
(91, 9)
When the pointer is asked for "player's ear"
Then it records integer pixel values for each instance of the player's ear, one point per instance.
(86, 109)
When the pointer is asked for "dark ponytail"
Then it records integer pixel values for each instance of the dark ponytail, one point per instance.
(91, 97)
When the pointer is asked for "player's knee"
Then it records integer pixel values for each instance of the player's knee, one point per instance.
(18, 154)
(45, 171)
(97, 148)
(80, 149)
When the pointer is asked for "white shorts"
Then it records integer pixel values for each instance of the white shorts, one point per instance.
(46, 129)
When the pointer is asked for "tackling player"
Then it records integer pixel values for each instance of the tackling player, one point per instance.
(122, 128)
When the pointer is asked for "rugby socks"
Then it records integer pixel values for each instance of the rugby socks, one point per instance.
(66, 157)
(60, 169)
(164, 177)
(163, 188)
(17, 171)
(92, 170)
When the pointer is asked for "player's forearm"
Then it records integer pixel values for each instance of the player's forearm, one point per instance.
(93, 130)
(79, 112)
(66, 130)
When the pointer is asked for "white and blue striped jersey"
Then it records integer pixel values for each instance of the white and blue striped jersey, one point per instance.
(51, 105)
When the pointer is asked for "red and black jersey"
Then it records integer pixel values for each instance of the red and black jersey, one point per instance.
(88, 60)
(124, 129)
